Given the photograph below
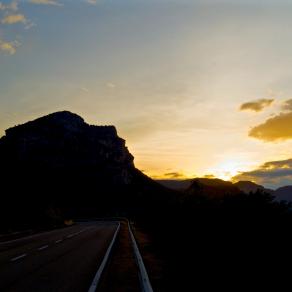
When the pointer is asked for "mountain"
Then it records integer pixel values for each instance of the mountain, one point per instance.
(284, 194)
(185, 185)
(63, 140)
(174, 184)
(251, 187)
(59, 166)
(213, 188)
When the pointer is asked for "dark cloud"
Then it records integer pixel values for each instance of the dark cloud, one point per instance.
(271, 174)
(174, 175)
(275, 128)
(257, 105)
(209, 176)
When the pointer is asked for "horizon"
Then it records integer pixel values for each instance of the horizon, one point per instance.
(203, 89)
(157, 178)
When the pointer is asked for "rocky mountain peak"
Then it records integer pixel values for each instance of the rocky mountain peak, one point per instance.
(63, 140)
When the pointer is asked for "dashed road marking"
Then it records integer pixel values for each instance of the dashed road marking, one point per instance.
(18, 257)
(59, 240)
(43, 247)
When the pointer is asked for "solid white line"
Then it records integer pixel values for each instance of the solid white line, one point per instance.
(144, 279)
(43, 247)
(58, 241)
(96, 279)
(18, 257)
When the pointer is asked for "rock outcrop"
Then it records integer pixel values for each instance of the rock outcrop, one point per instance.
(63, 140)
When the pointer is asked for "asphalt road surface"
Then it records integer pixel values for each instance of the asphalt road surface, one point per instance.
(60, 260)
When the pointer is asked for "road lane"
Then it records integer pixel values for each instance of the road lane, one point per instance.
(41, 264)
(29, 244)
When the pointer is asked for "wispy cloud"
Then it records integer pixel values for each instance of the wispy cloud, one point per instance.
(45, 2)
(92, 2)
(84, 89)
(8, 48)
(287, 105)
(110, 85)
(13, 18)
(13, 6)
(257, 105)
(174, 175)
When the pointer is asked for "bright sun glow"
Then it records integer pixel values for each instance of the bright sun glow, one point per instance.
(228, 169)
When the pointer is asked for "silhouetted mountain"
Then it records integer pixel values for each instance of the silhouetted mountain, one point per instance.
(63, 140)
(213, 188)
(284, 194)
(58, 164)
(251, 187)
(174, 184)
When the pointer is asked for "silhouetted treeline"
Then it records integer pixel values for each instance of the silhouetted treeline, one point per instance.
(231, 242)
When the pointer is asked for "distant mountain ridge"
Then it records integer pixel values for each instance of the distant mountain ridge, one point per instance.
(248, 187)
(190, 185)
(284, 193)
(213, 188)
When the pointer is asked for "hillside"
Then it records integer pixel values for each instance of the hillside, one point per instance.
(213, 188)
(251, 187)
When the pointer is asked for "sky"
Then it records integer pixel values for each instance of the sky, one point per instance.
(196, 88)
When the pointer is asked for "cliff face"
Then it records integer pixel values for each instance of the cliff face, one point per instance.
(63, 140)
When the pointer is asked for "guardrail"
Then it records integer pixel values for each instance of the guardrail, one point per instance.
(144, 279)
(98, 274)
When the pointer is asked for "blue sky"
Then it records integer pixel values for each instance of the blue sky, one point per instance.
(170, 75)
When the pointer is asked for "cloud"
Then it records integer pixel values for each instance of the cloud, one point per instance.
(110, 85)
(287, 105)
(84, 89)
(13, 5)
(45, 2)
(257, 105)
(8, 47)
(174, 175)
(92, 2)
(276, 128)
(13, 18)
(272, 173)
(209, 176)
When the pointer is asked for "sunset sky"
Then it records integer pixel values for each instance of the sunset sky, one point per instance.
(196, 87)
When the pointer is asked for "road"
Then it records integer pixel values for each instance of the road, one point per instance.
(60, 260)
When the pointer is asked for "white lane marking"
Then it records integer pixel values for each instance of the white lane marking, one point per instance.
(74, 234)
(43, 247)
(34, 235)
(144, 279)
(59, 240)
(97, 276)
(18, 257)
